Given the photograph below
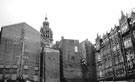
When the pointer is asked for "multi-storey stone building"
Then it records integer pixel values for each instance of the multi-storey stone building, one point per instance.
(128, 51)
(119, 43)
(117, 53)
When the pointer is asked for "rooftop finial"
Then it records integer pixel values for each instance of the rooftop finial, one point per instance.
(122, 12)
(46, 17)
(97, 34)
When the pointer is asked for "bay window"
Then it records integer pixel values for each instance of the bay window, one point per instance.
(124, 27)
(127, 42)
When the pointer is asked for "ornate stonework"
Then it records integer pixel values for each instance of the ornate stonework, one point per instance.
(46, 34)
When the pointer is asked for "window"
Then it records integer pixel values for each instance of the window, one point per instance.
(110, 63)
(134, 34)
(76, 49)
(121, 58)
(97, 46)
(130, 42)
(99, 58)
(134, 20)
(107, 64)
(124, 27)
(100, 74)
(131, 21)
(117, 46)
(73, 58)
(127, 42)
(47, 31)
(128, 57)
(132, 55)
(114, 48)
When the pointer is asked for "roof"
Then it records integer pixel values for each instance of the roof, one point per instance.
(50, 50)
(22, 23)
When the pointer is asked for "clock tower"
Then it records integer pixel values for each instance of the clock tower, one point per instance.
(46, 34)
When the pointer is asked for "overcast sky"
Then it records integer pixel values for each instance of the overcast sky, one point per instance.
(73, 19)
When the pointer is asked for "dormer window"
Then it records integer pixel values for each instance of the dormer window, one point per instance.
(131, 21)
(127, 42)
(124, 27)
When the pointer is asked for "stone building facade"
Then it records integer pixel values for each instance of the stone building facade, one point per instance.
(115, 51)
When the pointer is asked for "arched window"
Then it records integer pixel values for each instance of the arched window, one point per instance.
(47, 31)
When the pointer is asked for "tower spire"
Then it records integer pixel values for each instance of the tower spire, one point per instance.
(46, 34)
(46, 17)
(122, 12)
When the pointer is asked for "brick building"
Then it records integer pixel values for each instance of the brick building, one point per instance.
(87, 53)
(70, 59)
(19, 52)
(50, 65)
